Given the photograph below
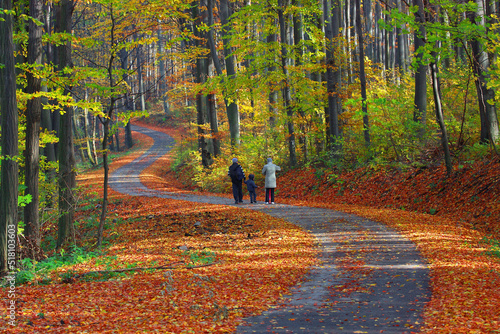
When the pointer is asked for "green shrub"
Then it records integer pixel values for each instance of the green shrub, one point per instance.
(38, 272)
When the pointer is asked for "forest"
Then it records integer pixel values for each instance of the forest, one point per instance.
(344, 84)
(330, 85)
(326, 88)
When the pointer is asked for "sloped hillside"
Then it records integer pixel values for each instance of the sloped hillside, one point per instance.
(471, 195)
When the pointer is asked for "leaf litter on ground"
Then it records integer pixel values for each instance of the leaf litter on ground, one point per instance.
(454, 221)
(257, 258)
(233, 263)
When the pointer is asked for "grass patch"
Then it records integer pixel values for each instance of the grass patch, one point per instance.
(494, 246)
(38, 273)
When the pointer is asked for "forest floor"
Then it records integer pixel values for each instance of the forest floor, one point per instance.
(454, 221)
(206, 282)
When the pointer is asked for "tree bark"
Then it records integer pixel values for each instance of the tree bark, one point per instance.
(140, 79)
(33, 120)
(333, 82)
(436, 88)
(273, 93)
(127, 101)
(420, 99)
(481, 65)
(287, 99)
(299, 52)
(202, 100)
(10, 149)
(162, 69)
(212, 113)
(233, 114)
(88, 137)
(67, 182)
(362, 74)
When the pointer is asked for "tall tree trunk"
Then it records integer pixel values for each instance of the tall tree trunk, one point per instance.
(161, 67)
(403, 43)
(273, 93)
(105, 166)
(33, 120)
(287, 99)
(436, 88)
(49, 151)
(127, 103)
(140, 79)
(10, 149)
(202, 100)
(481, 65)
(214, 125)
(95, 135)
(369, 22)
(117, 134)
(362, 74)
(86, 133)
(202, 106)
(299, 52)
(106, 125)
(78, 135)
(67, 182)
(420, 99)
(316, 76)
(233, 114)
(333, 82)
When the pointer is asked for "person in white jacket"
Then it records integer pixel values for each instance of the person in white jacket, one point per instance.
(269, 171)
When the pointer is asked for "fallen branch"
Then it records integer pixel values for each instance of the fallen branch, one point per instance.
(202, 265)
(173, 265)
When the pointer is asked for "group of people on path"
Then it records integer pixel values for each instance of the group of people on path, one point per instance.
(237, 175)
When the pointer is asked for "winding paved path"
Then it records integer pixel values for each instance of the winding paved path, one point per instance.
(386, 296)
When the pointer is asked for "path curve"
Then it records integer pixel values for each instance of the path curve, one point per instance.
(388, 297)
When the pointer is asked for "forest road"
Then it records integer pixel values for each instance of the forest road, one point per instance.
(385, 292)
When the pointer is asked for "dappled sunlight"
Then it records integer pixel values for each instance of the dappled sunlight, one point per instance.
(256, 260)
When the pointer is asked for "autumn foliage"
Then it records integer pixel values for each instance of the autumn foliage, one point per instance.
(453, 220)
(221, 263)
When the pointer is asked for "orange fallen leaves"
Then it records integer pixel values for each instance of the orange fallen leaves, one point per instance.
(465, 208)
(257, 259)
(258, 256)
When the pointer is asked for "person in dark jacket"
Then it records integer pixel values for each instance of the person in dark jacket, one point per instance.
(237, 176)
(251, 186)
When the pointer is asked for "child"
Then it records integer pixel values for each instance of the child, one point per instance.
(251, 188)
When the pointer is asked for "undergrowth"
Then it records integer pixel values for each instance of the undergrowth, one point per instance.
(39, 272)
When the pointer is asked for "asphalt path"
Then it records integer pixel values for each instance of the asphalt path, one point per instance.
(384, 291)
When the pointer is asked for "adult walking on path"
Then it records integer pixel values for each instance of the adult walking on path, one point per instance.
(237, 176)
(385, 294)
(269, 171)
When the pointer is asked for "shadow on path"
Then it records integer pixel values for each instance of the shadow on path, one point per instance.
(384, 293)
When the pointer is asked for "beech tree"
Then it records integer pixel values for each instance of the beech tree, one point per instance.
(285, 91)
(10, 150)
(362, 73)
(233, 115)
(33, 122)
(333, 82)
(490, 132)
(420, 96)
(66, 155)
